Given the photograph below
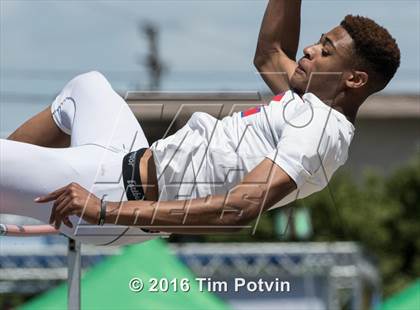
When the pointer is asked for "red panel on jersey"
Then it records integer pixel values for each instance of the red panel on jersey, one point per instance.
(278, 97)
(250, 111)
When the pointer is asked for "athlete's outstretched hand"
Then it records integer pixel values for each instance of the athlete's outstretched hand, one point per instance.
(72, 199)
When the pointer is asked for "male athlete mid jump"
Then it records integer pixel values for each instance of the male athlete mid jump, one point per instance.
(212, 175)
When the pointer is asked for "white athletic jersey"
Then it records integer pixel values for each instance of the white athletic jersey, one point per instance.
(209, 156)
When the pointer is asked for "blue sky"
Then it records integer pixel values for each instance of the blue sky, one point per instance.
(207, 45)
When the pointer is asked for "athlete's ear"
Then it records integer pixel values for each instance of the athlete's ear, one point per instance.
(356, 79)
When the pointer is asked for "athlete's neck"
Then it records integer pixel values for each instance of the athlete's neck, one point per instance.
(348, 103)
(345, 102)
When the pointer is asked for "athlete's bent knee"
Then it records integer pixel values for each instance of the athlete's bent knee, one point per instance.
(90, 80)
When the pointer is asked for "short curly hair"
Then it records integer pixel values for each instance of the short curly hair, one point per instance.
(375, 49)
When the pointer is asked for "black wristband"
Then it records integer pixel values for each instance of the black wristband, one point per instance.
(102, 213)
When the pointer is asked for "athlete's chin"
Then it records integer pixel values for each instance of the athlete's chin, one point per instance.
(298, 83)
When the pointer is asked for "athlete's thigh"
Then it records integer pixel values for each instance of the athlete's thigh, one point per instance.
(28, 171)
(96, 114)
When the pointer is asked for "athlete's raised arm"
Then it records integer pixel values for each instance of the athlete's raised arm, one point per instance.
(277, 43)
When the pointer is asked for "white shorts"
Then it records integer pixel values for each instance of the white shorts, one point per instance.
(103, 129)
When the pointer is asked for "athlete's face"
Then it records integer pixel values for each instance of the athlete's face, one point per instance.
(325, 64)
